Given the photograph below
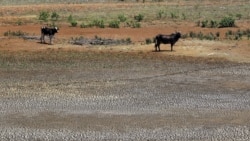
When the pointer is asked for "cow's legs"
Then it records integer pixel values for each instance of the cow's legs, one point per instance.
(172, 47)
(50, 39)
(157, 45)
(42, 38)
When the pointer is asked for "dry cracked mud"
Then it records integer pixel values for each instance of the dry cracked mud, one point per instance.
(124, 96)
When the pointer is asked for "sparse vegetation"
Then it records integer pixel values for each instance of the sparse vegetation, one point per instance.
(18, 33)
(97, 40)
(134, 24)
(202, 36)
(149, 41)
(237, 35)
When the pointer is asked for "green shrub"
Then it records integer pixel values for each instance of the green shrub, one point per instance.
(217, 34)
(83, 25)
(149, 41)
(184, 16)
(139, 17)
(114, 24)
(54, 16)
(227, 22)
(239, 16)
(122, 18)
(44, 15)
(173, 15)
(73, 23)
(128, 40)
(198, 23)
(19, 22)
(209, 36)
(98, 23)
(136, 25)
(200, 36)
(160, 14)
(213, 24)
(70, 18)
(192, 34)
(204, 23)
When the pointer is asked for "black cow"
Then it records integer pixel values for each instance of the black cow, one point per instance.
(46, 31)
(166, 39)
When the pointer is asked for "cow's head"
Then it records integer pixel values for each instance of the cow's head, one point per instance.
(56, 29)
(178, 34)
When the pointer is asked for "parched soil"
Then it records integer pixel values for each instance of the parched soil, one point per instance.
(200, 91)
(98, 95)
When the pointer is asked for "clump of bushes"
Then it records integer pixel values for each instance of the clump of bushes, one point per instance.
(134, 24)
(225, 22)
(201, 36)
(94, 23)
(237, 35)
(98, 23)
(230, 35)
(45, 15)
(18, 33)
